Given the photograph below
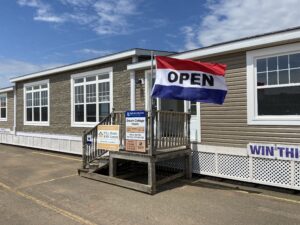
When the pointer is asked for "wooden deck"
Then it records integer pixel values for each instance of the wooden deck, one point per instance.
(167, 140)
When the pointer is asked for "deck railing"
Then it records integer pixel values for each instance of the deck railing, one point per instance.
(166, 129)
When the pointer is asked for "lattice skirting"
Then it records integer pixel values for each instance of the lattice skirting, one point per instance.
(221, 163)
(280, 173)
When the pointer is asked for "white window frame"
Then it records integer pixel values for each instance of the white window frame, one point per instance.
(5, 118)
(109, 71)
(36, 123)
(252, 107)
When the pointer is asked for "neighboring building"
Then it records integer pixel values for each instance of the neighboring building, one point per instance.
(54, 107)
(262, 106)
(254, 136)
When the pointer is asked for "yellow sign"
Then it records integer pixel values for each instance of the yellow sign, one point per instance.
(108, 137)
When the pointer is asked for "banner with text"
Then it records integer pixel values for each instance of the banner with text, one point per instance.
(189, 80)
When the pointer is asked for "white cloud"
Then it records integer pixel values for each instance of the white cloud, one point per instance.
(44, 11)
(11, 67)
(190, 36)
(231, 19)
(102, 16)
(89, 51)
(112, 15)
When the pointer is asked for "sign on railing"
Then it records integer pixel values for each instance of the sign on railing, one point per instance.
(136, 131)
(108, 137)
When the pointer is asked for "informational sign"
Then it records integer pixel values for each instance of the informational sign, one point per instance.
(274, 151)
(136, 131)
(89, 139)
(108, 137)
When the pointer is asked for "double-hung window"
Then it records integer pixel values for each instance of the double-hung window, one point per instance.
(3, 107)
(91, 97)
(274, 86)
(37, 103)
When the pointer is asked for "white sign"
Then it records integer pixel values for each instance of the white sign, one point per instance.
(136, 131)
(274, 151)
(108, 137)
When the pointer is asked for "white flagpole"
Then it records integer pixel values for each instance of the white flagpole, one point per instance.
(151, 149)
(151, 80)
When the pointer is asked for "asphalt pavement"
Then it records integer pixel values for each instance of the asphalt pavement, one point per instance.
(40, 187)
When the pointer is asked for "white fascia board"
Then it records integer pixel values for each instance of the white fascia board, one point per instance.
(155, 52)
(250, 43)
(6, 89)
(78, 65)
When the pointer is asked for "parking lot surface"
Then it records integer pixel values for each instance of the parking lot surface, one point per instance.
(39, 187)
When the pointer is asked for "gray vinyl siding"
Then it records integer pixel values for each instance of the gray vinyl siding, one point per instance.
(9, 124)
(226, 125)
(60, 98)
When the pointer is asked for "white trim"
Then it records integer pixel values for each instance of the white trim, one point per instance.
(221, 149)
(108, 70)
(199, 138)
(132, 85)
(6, 89)
(52, 136)
(92, 62)
(132, 90)
(6, 103)
(15, 111)
(35, 123)
(255, 42)
(252, 117)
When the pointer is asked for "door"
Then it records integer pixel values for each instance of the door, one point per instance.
(174, 105)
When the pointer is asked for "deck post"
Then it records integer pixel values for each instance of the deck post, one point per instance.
(84, 150)
(152, 176)
(188, 166)
(112, 166)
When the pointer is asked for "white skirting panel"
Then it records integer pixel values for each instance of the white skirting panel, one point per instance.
(234, 163)
(66, 144)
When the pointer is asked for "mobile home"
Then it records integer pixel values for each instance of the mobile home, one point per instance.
(54, 107)
(254, 135)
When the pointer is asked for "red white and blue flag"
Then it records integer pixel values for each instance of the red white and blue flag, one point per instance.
(189, 80)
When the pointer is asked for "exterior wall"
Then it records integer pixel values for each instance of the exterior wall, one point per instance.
(9, 124)
(226, 125)
(140, 91)
(60, 99)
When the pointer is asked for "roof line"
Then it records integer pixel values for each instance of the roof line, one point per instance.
(182, 55)
(6, 89)
(80, 64)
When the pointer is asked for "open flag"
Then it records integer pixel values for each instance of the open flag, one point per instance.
(189, 80)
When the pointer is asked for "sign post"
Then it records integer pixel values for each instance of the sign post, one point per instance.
(136, 131)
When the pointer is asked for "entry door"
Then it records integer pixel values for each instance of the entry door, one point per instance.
(175, 105)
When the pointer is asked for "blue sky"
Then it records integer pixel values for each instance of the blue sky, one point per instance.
(40, 34)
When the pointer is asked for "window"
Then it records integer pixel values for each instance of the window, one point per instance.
(3, 107)
(37, 103)
(92, 97)
(274, 85)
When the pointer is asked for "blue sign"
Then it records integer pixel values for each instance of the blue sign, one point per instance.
(89, 139)
(136, 113)
(274, 151)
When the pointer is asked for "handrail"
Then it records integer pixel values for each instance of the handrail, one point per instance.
(170, 130)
